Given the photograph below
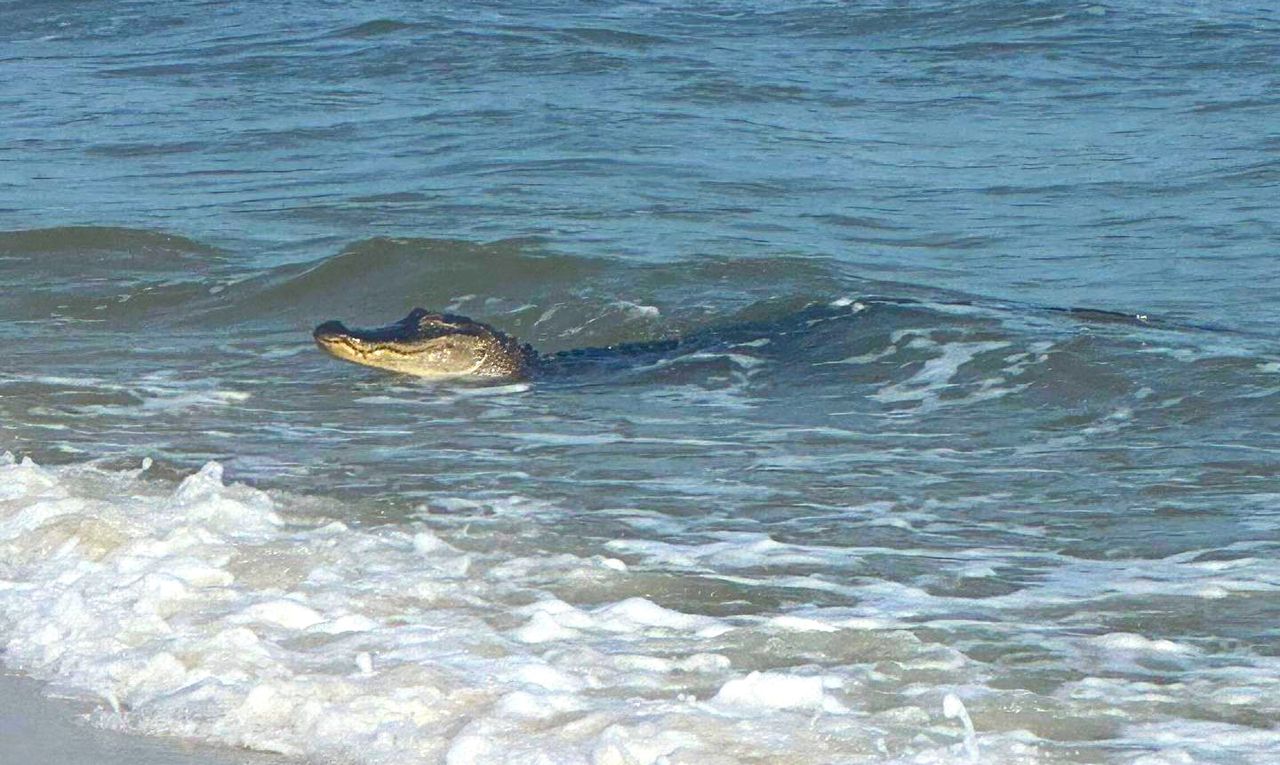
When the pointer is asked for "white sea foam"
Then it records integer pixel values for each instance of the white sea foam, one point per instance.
(736, 551)
(214, 610)
(936, 375)
(205, 611)
(153, 394)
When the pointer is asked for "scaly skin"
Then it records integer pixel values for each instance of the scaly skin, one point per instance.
(436, 345)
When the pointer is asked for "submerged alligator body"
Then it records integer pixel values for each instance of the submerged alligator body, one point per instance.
(445, 345)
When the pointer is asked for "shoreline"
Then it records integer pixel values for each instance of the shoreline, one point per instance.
(36, 729)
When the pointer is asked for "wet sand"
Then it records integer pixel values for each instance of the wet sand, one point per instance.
(36, 730)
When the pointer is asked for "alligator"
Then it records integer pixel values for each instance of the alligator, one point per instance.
(449, 346)
(446, 345)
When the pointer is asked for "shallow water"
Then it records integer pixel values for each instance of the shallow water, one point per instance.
(887, 484)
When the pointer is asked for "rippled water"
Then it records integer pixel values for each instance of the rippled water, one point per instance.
(888, 486)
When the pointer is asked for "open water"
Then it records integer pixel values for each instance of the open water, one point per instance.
(897, 505)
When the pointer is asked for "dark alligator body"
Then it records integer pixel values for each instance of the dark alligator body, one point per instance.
(444, 345)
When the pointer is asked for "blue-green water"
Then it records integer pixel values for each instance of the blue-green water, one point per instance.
(899, 482)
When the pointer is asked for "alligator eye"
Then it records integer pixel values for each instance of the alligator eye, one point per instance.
(329, 330)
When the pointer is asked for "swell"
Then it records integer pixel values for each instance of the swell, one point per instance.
(543, 296)
(136, 246)
(123, 279)
(104, 274)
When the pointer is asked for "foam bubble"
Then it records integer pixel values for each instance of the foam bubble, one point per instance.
(763, 691)
(1129, 642)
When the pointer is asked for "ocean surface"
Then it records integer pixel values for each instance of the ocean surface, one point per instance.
(899, 503)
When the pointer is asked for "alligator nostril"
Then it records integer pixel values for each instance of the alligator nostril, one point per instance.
(329, 329)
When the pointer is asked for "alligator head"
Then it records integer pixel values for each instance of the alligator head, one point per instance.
(430, 345)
